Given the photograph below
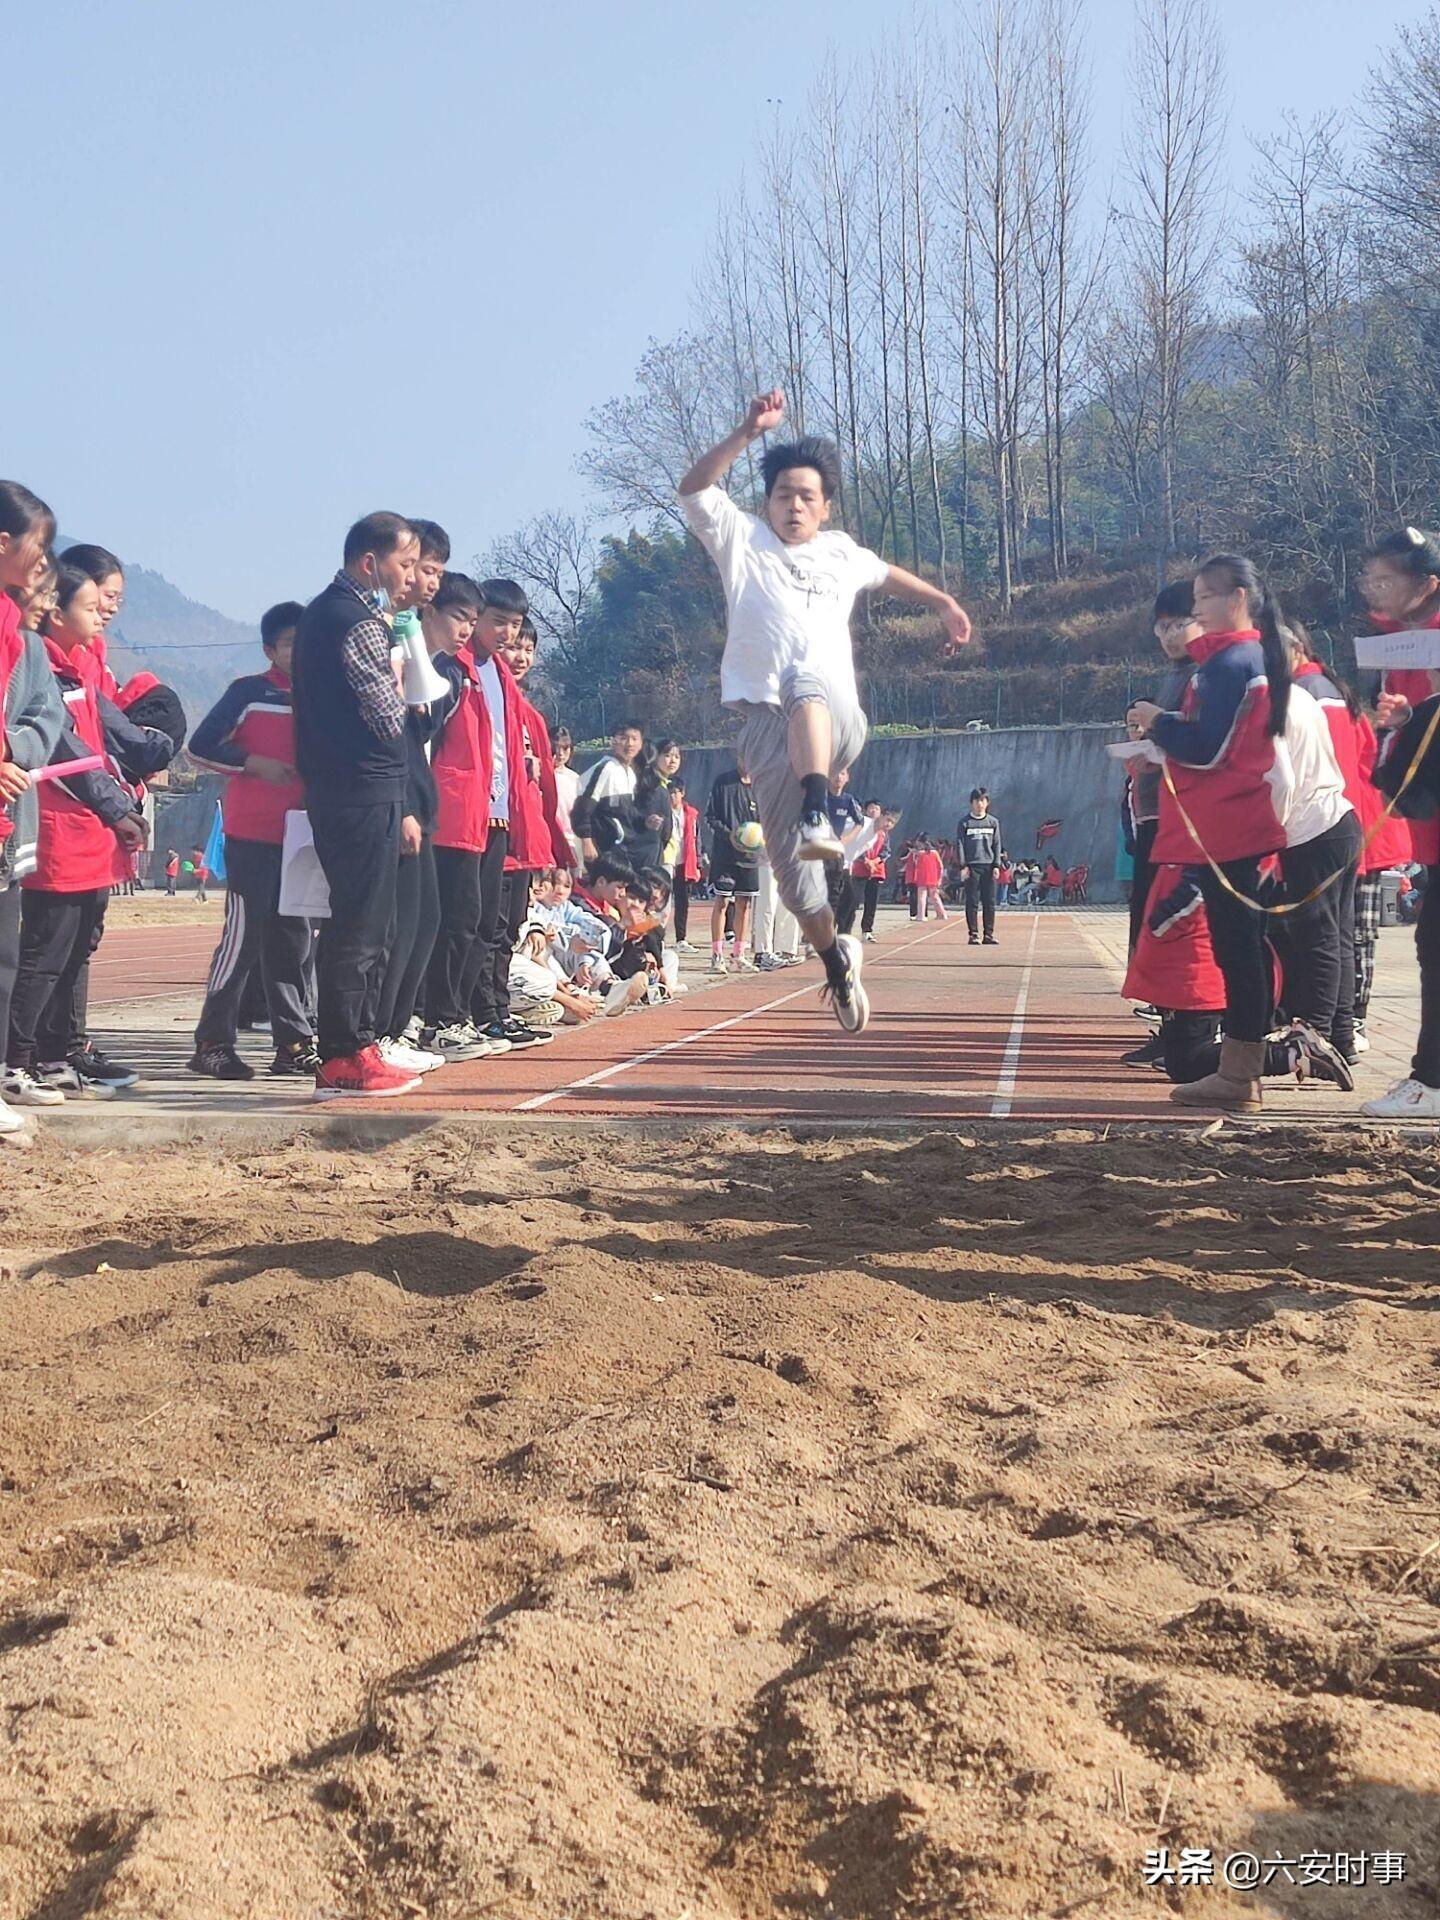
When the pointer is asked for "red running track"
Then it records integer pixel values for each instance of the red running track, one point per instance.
(152, 963)
(1031, 1028)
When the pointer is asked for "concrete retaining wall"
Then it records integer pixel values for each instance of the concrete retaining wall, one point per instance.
(1033, 773)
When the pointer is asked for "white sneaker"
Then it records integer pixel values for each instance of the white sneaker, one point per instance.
(11, 1122)
(870, 939)
(718, 964)
(624, 994)
(741, 963)
(460, 1043)
(853, 1012)
(1362, 1039)
(395, 1053)
(1406, 1100)
(65, 1081)
(22, 1089)
(819, 841)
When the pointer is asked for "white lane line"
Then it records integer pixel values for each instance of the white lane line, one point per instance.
(702, 1033)
(1010, 1066)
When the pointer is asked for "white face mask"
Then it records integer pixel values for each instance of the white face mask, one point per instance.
(379, 595)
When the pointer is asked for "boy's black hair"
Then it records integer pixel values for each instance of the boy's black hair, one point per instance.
(809, 452)
(654, 877)
(504, 596)
(456, 590)
(607, 867)
(1175, 602)
(627, 726)
(677, 785)
(97, 562)
(434, 541)
(21, 511)
(636, 889)
(274, 621)
(68, 582)
(872, 803)
(979, 793)
(377, 533)
(527, 631)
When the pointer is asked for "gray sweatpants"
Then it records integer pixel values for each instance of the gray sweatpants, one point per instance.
(764, 752)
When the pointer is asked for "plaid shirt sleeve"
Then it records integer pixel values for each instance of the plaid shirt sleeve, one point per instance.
(365, 660)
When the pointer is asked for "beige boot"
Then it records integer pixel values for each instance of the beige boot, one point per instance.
(1235, 1085)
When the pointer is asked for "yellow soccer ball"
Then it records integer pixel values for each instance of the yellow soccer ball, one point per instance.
(748, 837)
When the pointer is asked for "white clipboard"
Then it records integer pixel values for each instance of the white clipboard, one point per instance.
(304, 890)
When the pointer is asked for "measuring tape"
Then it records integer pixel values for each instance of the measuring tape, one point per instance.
(1294, 906)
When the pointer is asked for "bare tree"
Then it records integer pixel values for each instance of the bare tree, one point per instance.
(1169, 228)
(555, 558)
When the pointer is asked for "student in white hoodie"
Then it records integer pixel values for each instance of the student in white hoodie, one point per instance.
(1318, 864)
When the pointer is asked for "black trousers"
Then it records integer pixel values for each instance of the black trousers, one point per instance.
(841, 891)
(457, 885)
(872, 903)
(1143, 879)
(257, 940)
(478, 985)
(1316, 944)
(490, 997)
(359, 847)
(57, 936)
(1426, 1064)
(9, 950)
(1242, 952)
(680, 895)
(417, 922)
(980, 897)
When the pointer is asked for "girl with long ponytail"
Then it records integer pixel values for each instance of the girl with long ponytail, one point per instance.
(1224, 799)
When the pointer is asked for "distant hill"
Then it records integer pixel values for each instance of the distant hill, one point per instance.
(189, 646)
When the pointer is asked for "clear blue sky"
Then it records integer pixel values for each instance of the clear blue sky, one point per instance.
(274, 264)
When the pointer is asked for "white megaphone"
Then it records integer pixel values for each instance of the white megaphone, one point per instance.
(421, 682)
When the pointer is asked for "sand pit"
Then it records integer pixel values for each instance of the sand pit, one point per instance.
(725, 1527)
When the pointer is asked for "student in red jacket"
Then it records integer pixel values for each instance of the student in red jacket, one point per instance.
(928, 870)
(687, 871)
(249, 734)
(870, 871)
(1221, 749)
(1400, 581)
(79, 859)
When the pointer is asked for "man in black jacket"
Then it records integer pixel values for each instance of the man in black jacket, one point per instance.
(977, 844)
(350, 753)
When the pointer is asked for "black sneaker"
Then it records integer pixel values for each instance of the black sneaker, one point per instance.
(1150, 1054)
(90, 1064)
(521, 1034)
(974, 940)
(300, 1062)
(220, 1063)
(989, 941)
(1311, 1057)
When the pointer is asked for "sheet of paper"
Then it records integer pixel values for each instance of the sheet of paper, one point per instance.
(1135, 750)
(1415, 647)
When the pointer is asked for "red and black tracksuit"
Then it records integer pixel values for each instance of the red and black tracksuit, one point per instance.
(254, 716)
(78, 860)
(869, 870)
(1229, 781)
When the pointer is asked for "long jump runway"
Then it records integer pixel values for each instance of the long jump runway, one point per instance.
(1027, 1028)
(1031, 1030)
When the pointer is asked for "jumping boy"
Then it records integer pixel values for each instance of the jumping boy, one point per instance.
(788, 667)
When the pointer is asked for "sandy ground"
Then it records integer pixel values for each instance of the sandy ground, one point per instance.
(609, 1526)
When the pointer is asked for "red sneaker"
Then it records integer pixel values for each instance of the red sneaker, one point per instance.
(363, 1073)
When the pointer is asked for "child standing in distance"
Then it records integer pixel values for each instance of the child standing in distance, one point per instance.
(686, 871)
(1223, 750)
(249, 734)
(869, 870)
(567, 789)
(788, 667)
(734, 871)
(977, 845)
(929, 871)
